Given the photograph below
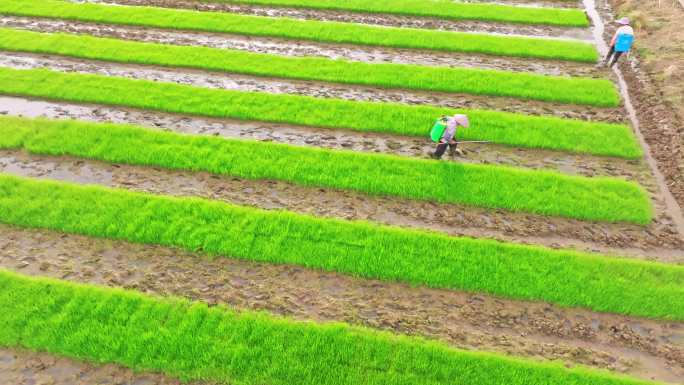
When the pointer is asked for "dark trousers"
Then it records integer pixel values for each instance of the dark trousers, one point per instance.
(615, 55)
(442, 147)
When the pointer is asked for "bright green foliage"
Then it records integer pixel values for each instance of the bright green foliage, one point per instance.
(445, 9)
(329, 32)
(192, 341)
(498, 127)
(599, 92)
(567, 278)
(541, 192)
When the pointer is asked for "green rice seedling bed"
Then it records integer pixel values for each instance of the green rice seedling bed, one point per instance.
(566, 278)
(595, 92)
(443, 9)
(540, 192)
(192, 341)
(328, 32)
(498, 127)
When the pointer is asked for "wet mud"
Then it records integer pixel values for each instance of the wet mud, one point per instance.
(639, 347)
(198, 78)
(21, 367)
(298, 48)
(654, 242)
(367, 18)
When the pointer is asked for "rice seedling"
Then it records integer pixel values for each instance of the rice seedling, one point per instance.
(443, 9)
(498, 127)
(328, 32)
(567, 278)
(541, 192)
(192, 341)
(596, 92)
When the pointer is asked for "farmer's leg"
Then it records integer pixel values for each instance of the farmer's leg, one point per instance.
(452, 147)
(610, 53)
(615, 58)
(439, 151)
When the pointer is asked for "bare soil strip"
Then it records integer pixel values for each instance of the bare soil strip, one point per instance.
(199, 78)
(306, 48)
(24, 367)
(643, 348)
(366, 18)
(653, 242)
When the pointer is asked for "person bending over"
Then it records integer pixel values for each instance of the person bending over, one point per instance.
(621, 42)
(446, 138)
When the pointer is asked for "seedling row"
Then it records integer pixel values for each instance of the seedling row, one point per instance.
(195, 342)
(192, 341)
(361, 249)
(597, 92)
(328, 32)
(441, 9)
(498, 127)
(606, 199)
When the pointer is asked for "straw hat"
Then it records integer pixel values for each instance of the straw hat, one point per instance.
(623, 21)
(462, 120)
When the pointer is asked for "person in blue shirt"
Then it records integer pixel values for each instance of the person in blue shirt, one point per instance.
(622, 42)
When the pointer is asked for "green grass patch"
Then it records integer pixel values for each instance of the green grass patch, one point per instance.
(192, 341)
(540, 192)
(566, 278)
(596, 92)
(498, 127)
(328, 32)
(443, 9)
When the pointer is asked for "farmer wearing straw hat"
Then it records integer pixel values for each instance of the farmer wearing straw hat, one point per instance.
(446, 137)
(621, 42)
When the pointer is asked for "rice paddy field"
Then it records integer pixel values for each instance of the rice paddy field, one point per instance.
(242, 192)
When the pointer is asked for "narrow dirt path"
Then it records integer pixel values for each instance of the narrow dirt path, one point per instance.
(653, 242)
(659, 127)
(307, 48)
(640, 347)
(367, 18)
(205, 79)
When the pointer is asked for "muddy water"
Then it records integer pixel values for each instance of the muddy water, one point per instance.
(366, 18)
(307, 48)
(639, 347)
(655, 242)
(205, 79)
(20, 367)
